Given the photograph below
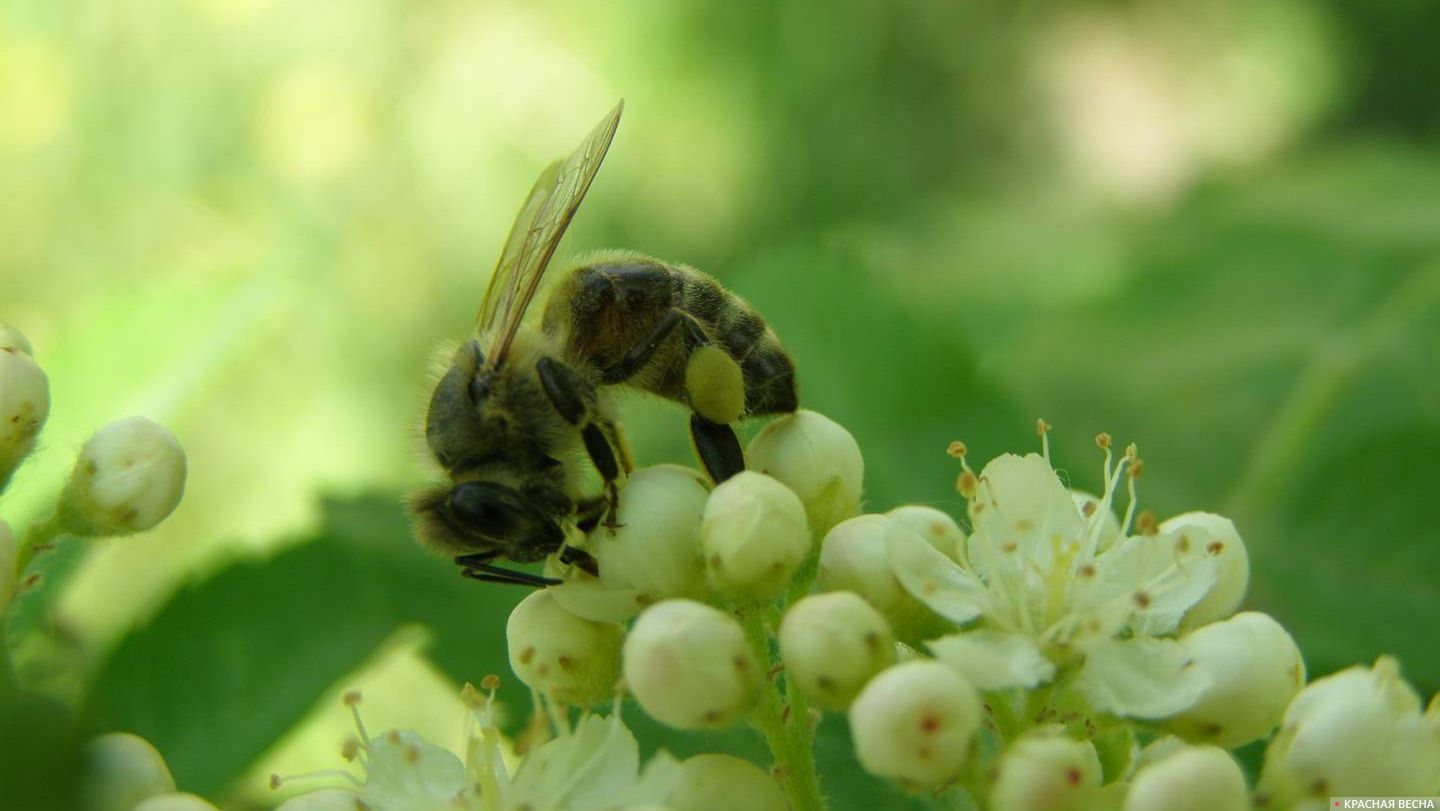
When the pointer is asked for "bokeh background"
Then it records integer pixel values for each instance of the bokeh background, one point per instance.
(1211, 227)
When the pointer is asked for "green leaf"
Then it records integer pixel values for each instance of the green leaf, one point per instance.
(232, 663)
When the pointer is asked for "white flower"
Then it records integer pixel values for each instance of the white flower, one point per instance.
(832, 644)
(1045, 771)
(754, 536)
(915, 723)
(1049, 579)
(128, 477)
(1192, 778)
(818, 459)
(122, 770)
(1359, 732)
(1252, 669)
(690, 665)
(723, 783)
(656, 549)
(24, 407)
(561, 656)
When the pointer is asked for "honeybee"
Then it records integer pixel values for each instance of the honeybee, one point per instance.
(521, 403)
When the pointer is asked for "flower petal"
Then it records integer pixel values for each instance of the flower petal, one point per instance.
(1021, 504)
(1152, 579)
(588, 599)
(1139, 678)
(934, 579)
(993, 660)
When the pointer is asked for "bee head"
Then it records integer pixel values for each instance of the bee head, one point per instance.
(476, 516)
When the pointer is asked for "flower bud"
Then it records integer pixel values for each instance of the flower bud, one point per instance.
(9, 550)
(176, 802)
(24, 407)
(128, 477)
(656, 548)
(1195, 778)
(122, 770)
(725, 782)
(689, 665)
(1356, 733)
(1199, 533)
(1253, 668)
(853, 557)
(915, 723)
(936, 527)
(559, 655)
(818, 459)
(13, 339)
(715, 385)
(326, 799)
(753, 536)
(1046, 772)
(832, 644)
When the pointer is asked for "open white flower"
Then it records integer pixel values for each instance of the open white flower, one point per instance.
(1048, 584)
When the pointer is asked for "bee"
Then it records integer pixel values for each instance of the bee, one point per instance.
(522, 404)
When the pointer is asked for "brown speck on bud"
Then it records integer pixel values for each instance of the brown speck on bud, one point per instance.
(1215, 547)
(393, 736)
(1146, 524)
(1142, 599)
(1102, 441)
(1088, 508)
(957, 449)
(412, 755)
(526, 655)
(1073, 776)
(275, 781)
(1086, 571)
(351, 698)
(1009, 547)
(1182, 543)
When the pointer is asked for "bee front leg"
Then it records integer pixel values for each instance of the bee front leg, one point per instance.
(574, 398)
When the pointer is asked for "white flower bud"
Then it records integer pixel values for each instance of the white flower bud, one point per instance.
(1195, 778)
(915, 723)
(1356, 733)
(24, 407)
(176, 802)
(326, 799)
(1252, 668)
(690, 666)
(725, 782)
(832, 644)
(128, 477)
(818, 459)
(853, 557)
(1199, 533)
(123, 769)
(12, 338)
(9, 550)
(936, 527)
(566, 658)
(656, 548)
(753, 536)
(1046, 772)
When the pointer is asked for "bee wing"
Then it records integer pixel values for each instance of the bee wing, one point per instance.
(536, 233)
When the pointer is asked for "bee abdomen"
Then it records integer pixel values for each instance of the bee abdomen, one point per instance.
(733, 324)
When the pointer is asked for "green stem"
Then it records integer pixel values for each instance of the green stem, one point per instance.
(37, 538)
(789, 738)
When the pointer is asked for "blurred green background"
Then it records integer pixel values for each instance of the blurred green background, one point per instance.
(1211, 227)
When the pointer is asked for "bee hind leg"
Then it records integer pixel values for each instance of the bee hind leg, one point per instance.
(718, 448)
(478, 567)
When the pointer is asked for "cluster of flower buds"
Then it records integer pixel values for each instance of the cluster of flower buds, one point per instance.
(1023, 656)
(127, 478)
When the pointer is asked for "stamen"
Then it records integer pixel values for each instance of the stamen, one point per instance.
(1043, 429)
(352, 700)
(276, 781)
(1133, 470)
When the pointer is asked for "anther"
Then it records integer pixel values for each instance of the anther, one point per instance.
(1102, 441)
(957, 449)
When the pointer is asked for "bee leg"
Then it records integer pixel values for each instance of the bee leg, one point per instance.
(478, 567)
(718, 448)
(574, 398)
(581, 558)
(589, 512)
(641, 353)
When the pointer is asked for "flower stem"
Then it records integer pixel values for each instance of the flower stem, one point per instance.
(787, 731)
(37, 538)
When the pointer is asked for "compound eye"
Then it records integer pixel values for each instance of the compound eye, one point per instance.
(485, 509)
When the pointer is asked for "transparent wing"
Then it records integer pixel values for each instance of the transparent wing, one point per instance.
(535, 235)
